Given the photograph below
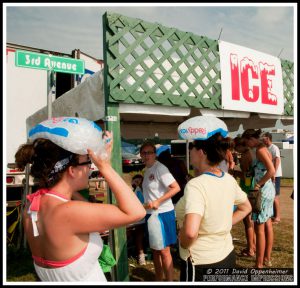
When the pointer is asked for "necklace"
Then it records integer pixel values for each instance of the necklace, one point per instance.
(214, 169)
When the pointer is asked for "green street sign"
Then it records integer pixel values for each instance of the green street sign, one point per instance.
(49, 62)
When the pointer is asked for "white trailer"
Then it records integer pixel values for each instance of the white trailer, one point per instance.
(25, 92)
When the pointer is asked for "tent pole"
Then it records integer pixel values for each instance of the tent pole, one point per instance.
(118, 240)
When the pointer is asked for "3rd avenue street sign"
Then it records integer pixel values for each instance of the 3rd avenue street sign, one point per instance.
(49, 62)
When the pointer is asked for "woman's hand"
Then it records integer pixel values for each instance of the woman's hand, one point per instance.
(146, 205)
(152, 205)
(108, 142)
(103, 159)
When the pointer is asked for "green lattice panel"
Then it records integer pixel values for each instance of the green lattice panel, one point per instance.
(148, 63)
(151, 64)
(288, 86)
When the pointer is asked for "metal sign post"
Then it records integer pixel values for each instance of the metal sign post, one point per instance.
(52, 64)
(50, 76)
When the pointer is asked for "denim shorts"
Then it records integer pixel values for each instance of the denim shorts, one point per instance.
(277, 186)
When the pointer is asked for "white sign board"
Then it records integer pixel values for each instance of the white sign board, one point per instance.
(251, 80)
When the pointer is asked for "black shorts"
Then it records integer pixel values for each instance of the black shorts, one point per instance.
(191, 273)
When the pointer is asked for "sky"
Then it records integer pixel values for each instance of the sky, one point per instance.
(60, 27)
(270, 28)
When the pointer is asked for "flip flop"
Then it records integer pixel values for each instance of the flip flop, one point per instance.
(267, 263)
(275, 220)
(245, 252)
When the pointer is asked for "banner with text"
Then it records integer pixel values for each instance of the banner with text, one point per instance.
(251, 80)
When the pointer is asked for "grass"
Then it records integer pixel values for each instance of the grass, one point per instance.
(287, 181)
(20, 267)
(282, 253)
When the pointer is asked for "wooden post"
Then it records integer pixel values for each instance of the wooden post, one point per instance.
(117, 237)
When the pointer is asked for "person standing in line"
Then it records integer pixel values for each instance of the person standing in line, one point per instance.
(99, 183)
(204, 214)
(246, 183)
(159, 186)
(138, 233)
(228, 164)
(177, 168)
(267, 139)
(63, 235)
(263, 172)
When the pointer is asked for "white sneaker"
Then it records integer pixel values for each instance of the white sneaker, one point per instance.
(141, 259)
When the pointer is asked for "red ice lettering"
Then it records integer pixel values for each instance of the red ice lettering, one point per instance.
(252, 80)
(267, 97)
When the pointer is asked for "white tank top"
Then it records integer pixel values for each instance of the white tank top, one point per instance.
(86, 268)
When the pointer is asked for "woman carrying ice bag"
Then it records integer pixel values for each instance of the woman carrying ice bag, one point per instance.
(63, 235)
(205, 213)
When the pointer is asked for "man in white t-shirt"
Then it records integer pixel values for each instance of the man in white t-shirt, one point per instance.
(274, 150)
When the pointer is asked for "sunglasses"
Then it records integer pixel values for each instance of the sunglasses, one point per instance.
(191, 145)
(147, 153)
(200, 146)
(84, 163)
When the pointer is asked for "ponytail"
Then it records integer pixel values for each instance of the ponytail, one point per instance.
(43, 154)
(24, 155)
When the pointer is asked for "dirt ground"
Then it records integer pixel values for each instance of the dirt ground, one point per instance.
(283, 248)
(21, 269)
(286, 203)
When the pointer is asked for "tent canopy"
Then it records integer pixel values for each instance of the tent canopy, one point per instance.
(163, 148)
(290, 140)
(129, 148)
(142, 121)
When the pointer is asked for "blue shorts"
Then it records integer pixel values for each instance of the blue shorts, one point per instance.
(169, 227)
(277, 186)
